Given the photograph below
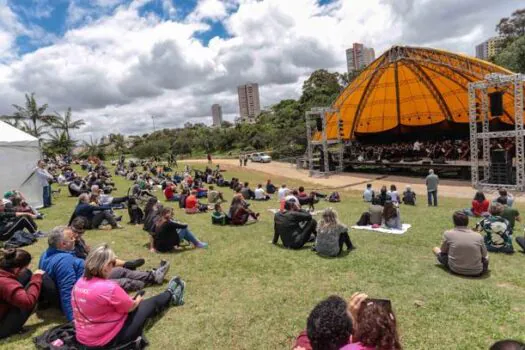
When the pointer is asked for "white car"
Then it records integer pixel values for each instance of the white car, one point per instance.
(261, 157)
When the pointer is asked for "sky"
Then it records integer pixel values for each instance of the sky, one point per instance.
(117, 63)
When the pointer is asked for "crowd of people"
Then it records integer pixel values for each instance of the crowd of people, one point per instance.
(91, 285)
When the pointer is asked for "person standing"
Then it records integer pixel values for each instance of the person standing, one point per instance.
(432, 182)
(240, 160)
(43, 179)
(245, 159)
(209, 158)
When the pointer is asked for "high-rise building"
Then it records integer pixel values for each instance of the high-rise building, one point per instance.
(359, 56)
(216, 112)
(488, 48)
(249, 104)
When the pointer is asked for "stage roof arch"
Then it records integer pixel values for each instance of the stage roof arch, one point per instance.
(412, 87)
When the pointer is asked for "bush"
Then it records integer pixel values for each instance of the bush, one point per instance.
(151, 149)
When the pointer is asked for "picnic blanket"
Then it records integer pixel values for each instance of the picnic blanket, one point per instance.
(383, 229)
(317, 212)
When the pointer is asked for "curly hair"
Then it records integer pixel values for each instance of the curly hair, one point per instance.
(329, 325)
(376, 327)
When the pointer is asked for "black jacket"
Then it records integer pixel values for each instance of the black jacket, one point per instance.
(286, 226)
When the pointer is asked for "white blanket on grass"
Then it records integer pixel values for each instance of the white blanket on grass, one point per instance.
(383, 229)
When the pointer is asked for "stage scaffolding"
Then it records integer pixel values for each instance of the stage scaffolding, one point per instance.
(337, 145)
(497, 81)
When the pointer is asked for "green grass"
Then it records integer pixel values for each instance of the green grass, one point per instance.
(244, 293)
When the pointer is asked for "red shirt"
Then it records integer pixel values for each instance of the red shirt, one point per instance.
(168, 192)
(13, 294)
(479, 208)
(191, 202)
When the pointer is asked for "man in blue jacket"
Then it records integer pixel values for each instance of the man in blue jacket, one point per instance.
(94, 214)
(61, 264)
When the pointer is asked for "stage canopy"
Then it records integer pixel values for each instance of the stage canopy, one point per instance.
(407, 88)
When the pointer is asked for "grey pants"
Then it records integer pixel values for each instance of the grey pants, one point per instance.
(130, 280)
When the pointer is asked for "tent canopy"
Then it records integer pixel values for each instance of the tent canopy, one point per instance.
(19, 154)
(412, 87)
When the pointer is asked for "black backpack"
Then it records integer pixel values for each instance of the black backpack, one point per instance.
(66, 333)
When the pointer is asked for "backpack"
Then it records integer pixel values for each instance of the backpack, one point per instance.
(334, 197)
(66, 332)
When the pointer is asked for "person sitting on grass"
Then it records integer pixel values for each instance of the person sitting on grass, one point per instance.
(260, 194)
(104, 314)
(170, 192)
(374, 215)
(391, 217)
(307, 199)
(463, 250)
(409, 196)
(498, 235)
(219, 217)
(247, 192)
(12, 221)
(332, 235)
(505, 198)
(95, 215)
(480, 206)
(384, 196)
(169, 233)
(20, 290)
(509, 213)
(368, 193)
(283, 192)
(294, 226)
(394, 196)
(360, 324)
(193, 206)
(239, 212)
(270, 187)
(214, 196)
(124, 272)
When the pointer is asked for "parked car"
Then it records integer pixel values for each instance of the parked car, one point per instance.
(260, 157)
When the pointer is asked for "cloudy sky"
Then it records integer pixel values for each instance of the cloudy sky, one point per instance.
(119, 62)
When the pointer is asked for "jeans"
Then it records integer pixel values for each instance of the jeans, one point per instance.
(147, 309)
(432, 195)
(186, 234)
(47, 196)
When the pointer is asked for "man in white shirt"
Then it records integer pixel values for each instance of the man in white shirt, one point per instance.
(44, 177)
(282, 192)
(260, 194)
(368, 193)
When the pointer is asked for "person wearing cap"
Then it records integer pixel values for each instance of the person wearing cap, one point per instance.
(294, 226)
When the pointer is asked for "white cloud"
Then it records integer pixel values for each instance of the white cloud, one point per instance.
(117, 70)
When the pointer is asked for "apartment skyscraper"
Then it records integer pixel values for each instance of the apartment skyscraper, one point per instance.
(488, 48)
(359, 56)
(249, 104)
(216, 112)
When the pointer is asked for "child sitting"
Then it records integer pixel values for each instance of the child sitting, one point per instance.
(218, 217)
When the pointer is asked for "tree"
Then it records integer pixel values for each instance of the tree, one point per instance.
(33, 114)
(59, 143)
(513, 56)
(346, 78)
(118, 141)
(65, 123)
(94, 148)
(320, 89)
(511, 28)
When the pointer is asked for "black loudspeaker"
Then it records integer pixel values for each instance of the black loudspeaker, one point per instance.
(319, 122)
(499, 156)
(496, 103)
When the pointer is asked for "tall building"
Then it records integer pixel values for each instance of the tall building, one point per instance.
(488, 48)
(249, 104)
(216, 112)
(359, 56)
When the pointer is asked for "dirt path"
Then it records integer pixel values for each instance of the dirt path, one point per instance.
(357, 181)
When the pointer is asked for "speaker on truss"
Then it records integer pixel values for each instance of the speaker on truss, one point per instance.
(496, 103)
(319, 122)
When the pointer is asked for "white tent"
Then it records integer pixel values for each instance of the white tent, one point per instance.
(19, 154)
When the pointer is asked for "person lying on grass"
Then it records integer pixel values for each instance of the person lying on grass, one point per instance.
(104, 314)
(124, 272)
(463, 250)
(360, 324)
(169, 233)
(332, 235)
(294, 226)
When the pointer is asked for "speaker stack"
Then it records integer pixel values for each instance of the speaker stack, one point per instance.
(500, 167)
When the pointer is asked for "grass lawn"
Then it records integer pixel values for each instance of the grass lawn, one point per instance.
(245, 293)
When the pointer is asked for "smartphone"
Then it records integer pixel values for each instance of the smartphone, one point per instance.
(384, 302)
(139, 294)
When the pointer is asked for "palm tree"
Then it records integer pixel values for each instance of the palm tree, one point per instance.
(60, 143)
(33, 114)
(94, 148)
(39, 132)
(65, 123)
(118, 142)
